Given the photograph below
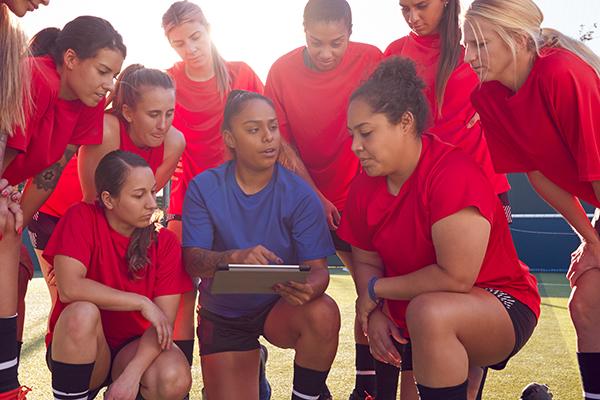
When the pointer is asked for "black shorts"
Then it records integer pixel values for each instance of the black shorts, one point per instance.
(523, 320)
(339, 243)
(40, 229)
(218, 334)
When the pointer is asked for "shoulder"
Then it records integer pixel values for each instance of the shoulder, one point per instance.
(289, 58)
(445, 161)
(166, 238)
(174, 142)
(560, 65)
(176, 70)
(239, 68)
(45, 81)
(211, 178)
(294, 187)
(82, 212)
(395, 47)
(111, 131)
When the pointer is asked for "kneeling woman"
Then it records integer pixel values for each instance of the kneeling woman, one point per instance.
(119, 283)
(430, 238)
(251, 210)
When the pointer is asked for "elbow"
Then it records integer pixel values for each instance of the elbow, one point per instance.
(67, 294)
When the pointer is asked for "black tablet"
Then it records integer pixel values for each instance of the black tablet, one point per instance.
(255, 279)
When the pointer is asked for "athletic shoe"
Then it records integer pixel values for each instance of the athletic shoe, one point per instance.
(356, 396)
(536, 391)
(264, 387)
(19, 393)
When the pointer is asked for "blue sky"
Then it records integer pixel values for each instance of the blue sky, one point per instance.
(260, 31)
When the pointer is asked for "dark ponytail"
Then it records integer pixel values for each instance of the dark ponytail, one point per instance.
(450, 53)
(110, 176)
(394, 89)
(85, 35)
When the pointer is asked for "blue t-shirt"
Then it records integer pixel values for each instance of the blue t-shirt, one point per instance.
(286, 217)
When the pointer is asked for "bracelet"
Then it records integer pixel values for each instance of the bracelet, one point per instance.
(371, 288)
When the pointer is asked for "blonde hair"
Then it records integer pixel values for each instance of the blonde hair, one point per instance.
(14, 83)
(182, 12)
(513, 18)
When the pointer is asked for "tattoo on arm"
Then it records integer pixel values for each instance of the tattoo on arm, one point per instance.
(48, 178)
(202, 262)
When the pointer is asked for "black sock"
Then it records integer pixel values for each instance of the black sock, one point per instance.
(482, 384)
(71, 381)
(458, 392)
(387, 381)
(9, 360)
(187, 347)
(589, 368)
(365, 371)
(308, 383)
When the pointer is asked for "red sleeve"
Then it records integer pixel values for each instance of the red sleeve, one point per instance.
(272, 91)
(171, 277)
(73, 236)
(459, 183)
(89, 125)
(354, 227)
(394, 48)
(573, 89)
(506, 155)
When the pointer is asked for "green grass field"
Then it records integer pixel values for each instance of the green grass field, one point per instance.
(549, 357)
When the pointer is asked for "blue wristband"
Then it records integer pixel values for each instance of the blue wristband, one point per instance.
(371, 287)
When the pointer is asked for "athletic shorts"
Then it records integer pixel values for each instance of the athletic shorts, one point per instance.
(523, 320)
(40, 229)
(339, 243)
(218, 334)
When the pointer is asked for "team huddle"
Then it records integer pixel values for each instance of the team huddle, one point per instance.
(394, 161)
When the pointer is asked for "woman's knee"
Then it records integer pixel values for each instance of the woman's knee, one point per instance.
(427, 314)
(323, 317)
(174, 379)
(79, 321)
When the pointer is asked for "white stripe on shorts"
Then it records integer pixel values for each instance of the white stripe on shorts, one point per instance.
(364, 373)
(591, 396)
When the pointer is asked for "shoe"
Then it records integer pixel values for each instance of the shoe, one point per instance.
(325, 394)
(19, 393)
(536, 391)
(264, 387)
(356, 396)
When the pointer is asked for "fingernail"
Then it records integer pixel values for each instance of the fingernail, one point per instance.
(20, 230)
(0, 236)
(4, 193)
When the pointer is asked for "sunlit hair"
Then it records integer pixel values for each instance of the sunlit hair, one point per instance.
(85, 35)
(394, 89)
(15, 77)
(110, 176)
(182, 12)
(235, 103)
(511, 19)
(328, 11)
(130, 84)
(450, 52)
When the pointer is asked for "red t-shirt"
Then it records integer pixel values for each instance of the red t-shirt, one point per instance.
(199, 115)
(68, 190)
(398, 228)
(551, 124)
(85, 235)
(311, 108)
(457, 110)
(51, 124)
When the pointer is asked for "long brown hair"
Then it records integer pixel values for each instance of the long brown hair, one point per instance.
(110, 176)
(14, 84)
(182, 12)
(450, 50)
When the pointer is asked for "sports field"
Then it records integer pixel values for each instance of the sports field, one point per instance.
(549, 357)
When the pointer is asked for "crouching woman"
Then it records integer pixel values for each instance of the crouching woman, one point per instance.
(119, 282)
